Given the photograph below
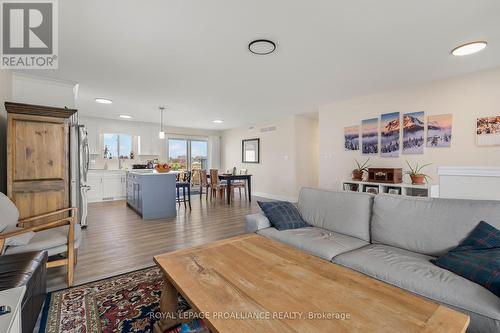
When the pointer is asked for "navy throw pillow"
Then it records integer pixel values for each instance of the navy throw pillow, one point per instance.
(283, 215)
(476, 258)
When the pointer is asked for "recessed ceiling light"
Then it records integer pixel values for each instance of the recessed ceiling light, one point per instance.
(469, 48)
(218, 121)
(262, 46)
(124, 116)
(103, 100)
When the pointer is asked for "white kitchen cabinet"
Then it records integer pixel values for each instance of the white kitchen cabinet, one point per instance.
(106, 185)
(150, 144)
(112, 187)
(95, 192)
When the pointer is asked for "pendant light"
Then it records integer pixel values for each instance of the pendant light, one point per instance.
(162, 133)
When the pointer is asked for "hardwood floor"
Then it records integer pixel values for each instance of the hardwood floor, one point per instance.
(117, 240)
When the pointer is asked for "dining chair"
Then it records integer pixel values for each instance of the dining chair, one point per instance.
(240, 184)
(204, 183)
(184, 183)
(216, 185)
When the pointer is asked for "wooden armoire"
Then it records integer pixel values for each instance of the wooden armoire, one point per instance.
(38, 158)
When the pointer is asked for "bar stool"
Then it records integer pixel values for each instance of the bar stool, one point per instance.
(184, 184)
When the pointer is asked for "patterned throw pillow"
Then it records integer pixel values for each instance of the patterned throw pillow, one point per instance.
(476, 258)
(283, 215)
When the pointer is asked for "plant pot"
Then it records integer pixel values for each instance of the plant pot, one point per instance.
(417, 179)
(357, 175)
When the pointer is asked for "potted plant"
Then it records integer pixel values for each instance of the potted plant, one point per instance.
(416, 175)
(357, 173)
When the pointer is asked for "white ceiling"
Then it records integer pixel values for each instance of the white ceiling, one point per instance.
(192, 57)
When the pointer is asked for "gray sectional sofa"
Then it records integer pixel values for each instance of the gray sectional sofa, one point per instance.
(392, 238)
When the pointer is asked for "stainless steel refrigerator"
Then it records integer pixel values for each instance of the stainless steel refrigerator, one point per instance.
(80, 159)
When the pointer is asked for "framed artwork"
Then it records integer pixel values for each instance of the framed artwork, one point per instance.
(351, 187)
(351, 138)
(371, 189)
(439, 129)
(369, 139)
(394, 190)
(390, 134)
(413, 133)
(488, 131)
(250, 151)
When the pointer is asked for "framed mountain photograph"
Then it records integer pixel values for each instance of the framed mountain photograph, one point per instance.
(390, 134)
(413, 133)
(369, 139)
(439, 129)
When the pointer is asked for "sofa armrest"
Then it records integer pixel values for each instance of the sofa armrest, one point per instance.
(255, 222)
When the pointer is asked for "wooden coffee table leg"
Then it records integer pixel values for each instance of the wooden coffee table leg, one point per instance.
(168, 306)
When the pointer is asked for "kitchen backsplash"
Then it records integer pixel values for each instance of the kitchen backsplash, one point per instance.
(101, 163)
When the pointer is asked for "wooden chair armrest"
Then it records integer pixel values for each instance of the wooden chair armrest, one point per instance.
(73, 210)
(45, 226)
(13, 233)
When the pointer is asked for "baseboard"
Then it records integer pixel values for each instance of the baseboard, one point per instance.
(275, 196)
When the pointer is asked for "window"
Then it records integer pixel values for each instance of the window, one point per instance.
(199, 155)
(177, 154)
(185, 154)
(118, 145)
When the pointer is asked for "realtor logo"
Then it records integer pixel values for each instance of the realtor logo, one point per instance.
(29, 34)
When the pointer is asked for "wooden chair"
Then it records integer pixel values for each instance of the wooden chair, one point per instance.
(204, 183)
(240, 184)
(60, 236)
(184, 183)
(216, 185)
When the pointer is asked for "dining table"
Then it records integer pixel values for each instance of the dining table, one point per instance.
(229, 178)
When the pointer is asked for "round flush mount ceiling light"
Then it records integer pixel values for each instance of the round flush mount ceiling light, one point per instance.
(218, 121)
(262, 46)
(469, 48)
(125, 116)
(103, 100)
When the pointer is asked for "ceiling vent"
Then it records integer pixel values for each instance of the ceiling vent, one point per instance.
(268, 129)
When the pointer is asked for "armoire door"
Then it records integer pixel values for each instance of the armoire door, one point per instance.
(38, 163)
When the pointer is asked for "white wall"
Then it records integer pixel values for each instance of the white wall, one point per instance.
(43, 91)
(307, 152)
(466, 97)
(5, 95)
(285, 156)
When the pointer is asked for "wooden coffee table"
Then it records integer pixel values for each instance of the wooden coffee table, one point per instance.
(252, 284)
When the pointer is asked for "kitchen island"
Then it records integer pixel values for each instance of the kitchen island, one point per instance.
(151, 194)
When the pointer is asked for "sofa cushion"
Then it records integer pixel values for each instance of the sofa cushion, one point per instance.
(430, 226)
(255, 222)
(9, 212)
(319, 242)
(477, 258)
(47, 240)
(16, 269)
(347, 213)
(18, 240)
(414, 272)
(283, 215)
